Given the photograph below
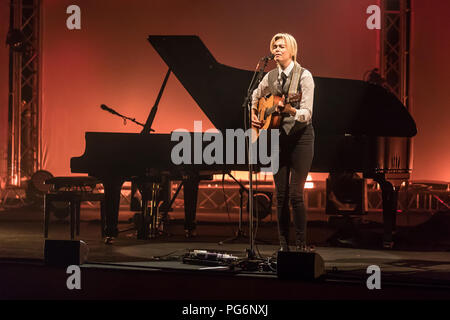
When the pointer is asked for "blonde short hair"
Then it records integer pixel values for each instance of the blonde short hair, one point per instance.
(291, 44)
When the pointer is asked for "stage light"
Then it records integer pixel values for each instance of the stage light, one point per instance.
(346, 194)
(309, 184)
(36, 187)
(16, 39)
(15, 180)
(262, 204)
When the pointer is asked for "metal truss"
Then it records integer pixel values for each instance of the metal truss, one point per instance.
(212, 199)
(395, 68)
(395, 47)
(24, 108)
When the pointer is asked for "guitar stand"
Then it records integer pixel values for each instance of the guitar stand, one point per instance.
(240, 234)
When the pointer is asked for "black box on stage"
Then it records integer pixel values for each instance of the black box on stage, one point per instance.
(65, 252)
(300, 265)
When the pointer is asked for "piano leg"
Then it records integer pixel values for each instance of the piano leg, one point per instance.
(191, 185)
(389, 196)
(112, 187)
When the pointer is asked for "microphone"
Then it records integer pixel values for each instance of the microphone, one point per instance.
(269, 57)
(106, 108)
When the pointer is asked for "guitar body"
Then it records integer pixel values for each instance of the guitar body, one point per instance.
(267, 112)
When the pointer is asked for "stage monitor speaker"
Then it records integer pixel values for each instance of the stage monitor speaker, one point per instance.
(63, 253)
(300, 265)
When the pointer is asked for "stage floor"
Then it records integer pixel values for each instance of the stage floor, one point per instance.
(413, 267)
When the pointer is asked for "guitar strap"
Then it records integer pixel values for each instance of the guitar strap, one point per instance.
(296, 75)
(289, 122)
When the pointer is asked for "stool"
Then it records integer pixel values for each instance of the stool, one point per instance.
(73, 190)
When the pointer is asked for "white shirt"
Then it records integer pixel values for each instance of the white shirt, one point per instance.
(304, 114)
(286, 71)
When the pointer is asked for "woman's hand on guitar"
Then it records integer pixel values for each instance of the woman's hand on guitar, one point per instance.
(280, 105)
(256, 122)
(289, 110)
(286, 108)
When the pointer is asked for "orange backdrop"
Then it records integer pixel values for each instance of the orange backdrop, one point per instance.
(110, 61)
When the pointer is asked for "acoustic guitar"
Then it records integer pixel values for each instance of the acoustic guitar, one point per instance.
(267, 112)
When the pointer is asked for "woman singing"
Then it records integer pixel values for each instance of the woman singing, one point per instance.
(296, 134)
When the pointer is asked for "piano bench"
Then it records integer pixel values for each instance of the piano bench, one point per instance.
(73, 190)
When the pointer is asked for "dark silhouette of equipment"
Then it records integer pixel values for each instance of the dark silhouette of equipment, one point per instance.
(262, 208)
(346, 202)
(346, 194)
(16, 40)
(36, 187)
(63, 253)
(293, 265)
(262, 204)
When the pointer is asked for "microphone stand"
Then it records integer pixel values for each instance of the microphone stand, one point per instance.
(258, 74)
(112, 111)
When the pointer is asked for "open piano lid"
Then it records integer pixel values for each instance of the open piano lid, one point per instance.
(341, 106)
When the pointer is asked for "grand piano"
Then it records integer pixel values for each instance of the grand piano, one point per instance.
(357, 124)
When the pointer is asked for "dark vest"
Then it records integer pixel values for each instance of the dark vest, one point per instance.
(288, 124)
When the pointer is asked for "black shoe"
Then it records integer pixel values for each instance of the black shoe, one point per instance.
(388, 244)
(302, 247)
(109, 240)
(190, 233)
(347, 242)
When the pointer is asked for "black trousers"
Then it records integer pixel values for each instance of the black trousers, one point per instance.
(296, 155)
